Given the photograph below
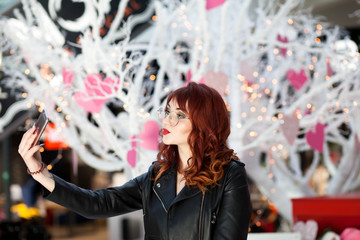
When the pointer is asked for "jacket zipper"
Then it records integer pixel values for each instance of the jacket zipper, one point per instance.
(201, 209)
(160, 200)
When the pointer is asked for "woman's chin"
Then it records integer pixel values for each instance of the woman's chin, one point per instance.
(166, 141)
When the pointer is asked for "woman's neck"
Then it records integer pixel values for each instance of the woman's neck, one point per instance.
(184, 155)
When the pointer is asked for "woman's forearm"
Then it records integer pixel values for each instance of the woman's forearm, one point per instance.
(46, 179)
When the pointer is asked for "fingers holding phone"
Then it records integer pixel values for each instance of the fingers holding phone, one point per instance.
(28, 147)
(40, 126)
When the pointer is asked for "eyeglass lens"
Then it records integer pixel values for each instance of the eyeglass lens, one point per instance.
(173, 118)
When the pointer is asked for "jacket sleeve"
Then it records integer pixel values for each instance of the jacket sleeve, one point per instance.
(235, 208)
(98, 203)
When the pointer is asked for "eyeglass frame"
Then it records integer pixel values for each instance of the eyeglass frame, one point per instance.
(164, 110)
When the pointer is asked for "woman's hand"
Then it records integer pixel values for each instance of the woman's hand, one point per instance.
(29, 149)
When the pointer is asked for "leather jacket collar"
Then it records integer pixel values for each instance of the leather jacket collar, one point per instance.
(165, 189)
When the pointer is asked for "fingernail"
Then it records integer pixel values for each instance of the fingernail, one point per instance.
(41, 145)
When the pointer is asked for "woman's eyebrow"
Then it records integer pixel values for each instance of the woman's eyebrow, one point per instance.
(168, 107)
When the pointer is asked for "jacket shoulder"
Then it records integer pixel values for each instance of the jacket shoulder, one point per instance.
(235, 175)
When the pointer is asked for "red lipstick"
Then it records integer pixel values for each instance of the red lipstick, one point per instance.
(165, 131)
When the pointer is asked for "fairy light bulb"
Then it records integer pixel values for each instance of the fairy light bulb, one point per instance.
(241, 77)
(253, 134)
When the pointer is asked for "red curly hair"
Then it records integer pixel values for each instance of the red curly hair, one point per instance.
(210, 129)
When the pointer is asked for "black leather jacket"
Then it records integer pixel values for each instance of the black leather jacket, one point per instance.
(223, 212)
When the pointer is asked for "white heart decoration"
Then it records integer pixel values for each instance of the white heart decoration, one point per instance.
(307, 230)
(290, 127)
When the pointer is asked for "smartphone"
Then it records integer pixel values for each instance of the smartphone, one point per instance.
(41, 124)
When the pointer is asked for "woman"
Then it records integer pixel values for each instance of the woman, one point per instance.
(197, 188)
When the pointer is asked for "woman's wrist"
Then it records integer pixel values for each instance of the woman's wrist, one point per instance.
(40, 169)
(46, 179)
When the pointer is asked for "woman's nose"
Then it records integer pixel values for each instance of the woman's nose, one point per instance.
(166, 120)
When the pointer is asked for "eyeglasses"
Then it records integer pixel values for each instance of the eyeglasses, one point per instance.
(174, 117)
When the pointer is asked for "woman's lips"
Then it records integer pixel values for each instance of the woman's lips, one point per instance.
(165, 131)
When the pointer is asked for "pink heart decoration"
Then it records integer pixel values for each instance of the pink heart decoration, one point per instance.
(297, 80)
(307, 230)
(150, 135)
(350, 234)
(202, 80)
(247, 70)
(109, 84)
(132, 154)
(88, 102)
(210, 4)
(96, 90)
(283, 40)
(290, 128)
(316, 138)
(307, 112)
(188, 78)
(68, 77)
(218, 81)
